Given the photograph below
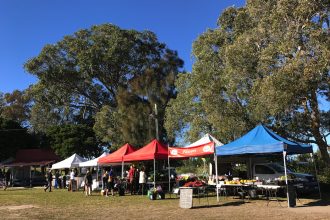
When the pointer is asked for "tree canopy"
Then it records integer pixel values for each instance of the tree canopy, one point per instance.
(14, 137)
(267, 62)
(69, 139)
(104, 71)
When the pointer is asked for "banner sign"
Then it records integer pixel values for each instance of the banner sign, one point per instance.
(180, 152)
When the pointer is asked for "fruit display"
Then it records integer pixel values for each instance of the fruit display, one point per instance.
(238, 181)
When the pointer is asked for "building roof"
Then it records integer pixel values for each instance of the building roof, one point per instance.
(30, 157)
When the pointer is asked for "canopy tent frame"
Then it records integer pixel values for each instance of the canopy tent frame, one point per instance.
(194, 151)
(117, 157)
(152, 151)
(262, 140)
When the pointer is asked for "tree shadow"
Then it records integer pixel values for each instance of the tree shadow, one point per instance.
(322, 202)
(205, 206)
(325, 201)
(235, 203)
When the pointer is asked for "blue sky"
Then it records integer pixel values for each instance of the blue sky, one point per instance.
(27, 25)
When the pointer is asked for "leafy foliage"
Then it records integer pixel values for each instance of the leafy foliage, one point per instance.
(104, 71)
(69, 139)
(13, 137)
(15, 106)
(267, 62)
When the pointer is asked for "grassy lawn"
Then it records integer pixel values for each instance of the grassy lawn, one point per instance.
(34, 203)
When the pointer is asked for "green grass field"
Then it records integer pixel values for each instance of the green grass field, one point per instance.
(34, 203)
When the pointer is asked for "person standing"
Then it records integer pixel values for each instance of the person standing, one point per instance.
(142, 181)
(105, 178)
(88, 183)
(49, 181)
(64, 180)
(132, 182)
(111, 182)
(7, 179)
(71, 184)
(57, 180)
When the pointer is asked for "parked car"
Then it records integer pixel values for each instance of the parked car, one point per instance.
(271, 171)
(37, 179)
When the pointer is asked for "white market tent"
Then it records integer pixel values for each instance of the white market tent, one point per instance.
(93, 162)
(204, 140)
(70, 162)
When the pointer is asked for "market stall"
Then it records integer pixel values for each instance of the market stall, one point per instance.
(262, 141)
(117, 157)
(192, 151)
(71, 162)
(94, 163)
(152, 151)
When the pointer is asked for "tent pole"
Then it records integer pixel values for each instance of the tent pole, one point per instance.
(30, 177)
(250, 168)
(216, 174)
(317, 179)
(97, 173)
(286, 178)
(169, 172)
(154, 172)
(122, 169)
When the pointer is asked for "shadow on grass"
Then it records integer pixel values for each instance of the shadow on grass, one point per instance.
(325, 201)
(235, 203)
(322, 202)
(205, 206)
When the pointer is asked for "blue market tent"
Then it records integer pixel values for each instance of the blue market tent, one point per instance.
(262, 140)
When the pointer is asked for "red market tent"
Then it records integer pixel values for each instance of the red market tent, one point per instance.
(152, 151)
(117, 156)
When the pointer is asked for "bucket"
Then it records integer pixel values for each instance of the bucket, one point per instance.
(253, 194)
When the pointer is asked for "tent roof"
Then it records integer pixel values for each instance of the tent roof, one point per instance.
(93, 162)
(30, 157)
(196, 151)
(262, 140)
(118, 155)
(70, 162)
(153, 150)
(7, 161)
(207, 138)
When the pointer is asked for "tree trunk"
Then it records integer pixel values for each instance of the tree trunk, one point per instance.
(315, 125)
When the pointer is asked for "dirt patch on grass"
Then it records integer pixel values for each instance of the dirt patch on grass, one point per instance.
(18, 207)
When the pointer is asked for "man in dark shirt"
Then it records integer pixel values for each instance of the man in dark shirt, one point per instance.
(49, 181)
(88, 183)
(7, 179)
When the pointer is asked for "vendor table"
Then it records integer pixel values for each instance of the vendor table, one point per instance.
(270, 192)
(237, 189)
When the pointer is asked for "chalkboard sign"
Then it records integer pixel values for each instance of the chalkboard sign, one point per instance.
(186, 195)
